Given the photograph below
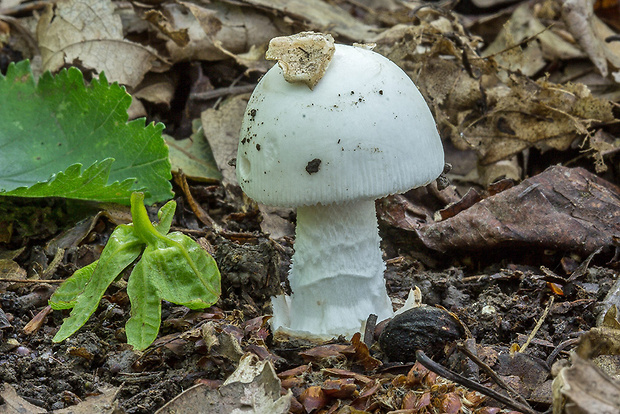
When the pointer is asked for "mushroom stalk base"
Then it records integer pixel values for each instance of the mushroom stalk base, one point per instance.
(337, 271)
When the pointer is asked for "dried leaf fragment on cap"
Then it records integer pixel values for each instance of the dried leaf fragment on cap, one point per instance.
(303, 57)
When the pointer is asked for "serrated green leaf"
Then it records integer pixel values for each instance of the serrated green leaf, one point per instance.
(89, 185)
(49, 129)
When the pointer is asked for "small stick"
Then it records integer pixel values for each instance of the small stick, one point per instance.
(538, 325)
(217, 93)
(498, 380)
(563, 345)
(14, 280)
(440, 370)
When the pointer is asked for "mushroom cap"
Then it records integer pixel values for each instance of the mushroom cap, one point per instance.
(364, 131)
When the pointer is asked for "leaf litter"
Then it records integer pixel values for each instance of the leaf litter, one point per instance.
(504, 259)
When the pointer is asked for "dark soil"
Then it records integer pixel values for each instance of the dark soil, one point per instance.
(499, 305)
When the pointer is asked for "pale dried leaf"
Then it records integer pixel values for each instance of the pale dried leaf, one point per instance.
(221, 127)
(610, 49)
(513, 121)
(14, 404)
(583, 388)
(590, 32)
(102, 403)
(217, 30)
(531, 57)
(479, 108)
(88, 33)
(157, 89)
(321, 16)
(252, 388)
(603, 144)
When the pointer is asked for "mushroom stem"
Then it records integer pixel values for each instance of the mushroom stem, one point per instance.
(337, 272)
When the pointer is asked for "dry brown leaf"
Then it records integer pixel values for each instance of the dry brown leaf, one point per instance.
(217, 31)
(599, 341)
(532, 56)
(603, 144)
(89, 34)
(157, 19)
(156, 88)
(591, 33)
(221, 128)
(484, 109)
(102, 403)
(560, 209)
(313, 398)
(321, 16)
(10, 269)
(583, 388)
(14, 404)
(540, 114)
(252, 388)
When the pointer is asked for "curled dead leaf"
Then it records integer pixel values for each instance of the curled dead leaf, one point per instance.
(561, 209)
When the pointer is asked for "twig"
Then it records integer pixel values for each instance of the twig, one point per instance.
(217, 93)
(440, 370)
(538, 325)
(489, 371)
(204, 217)
(14, 280)
(563, 345)
(522, 42)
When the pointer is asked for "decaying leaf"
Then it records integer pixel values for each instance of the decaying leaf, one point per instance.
(193, 156)
(540, 114)
(88, 33)
(584, 389)
(102, 403)
(603, 144)
(591, 32)
(14, 404)
(252, 388)
(482, 106)
(221, 129)
(216, 30)
(321, 15)
(532, 56)
(560, 209)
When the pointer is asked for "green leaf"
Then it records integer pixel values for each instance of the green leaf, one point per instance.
(165, 216)
(177, 270)
(49, 129)
(90, 185)
(122, 249)
(173, 267)
(66, 295)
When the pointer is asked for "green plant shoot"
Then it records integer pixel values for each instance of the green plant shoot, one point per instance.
(172, 267)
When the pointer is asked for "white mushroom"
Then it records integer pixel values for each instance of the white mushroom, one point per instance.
(363, 132)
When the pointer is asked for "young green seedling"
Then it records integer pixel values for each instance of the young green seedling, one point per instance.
(172, 267)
